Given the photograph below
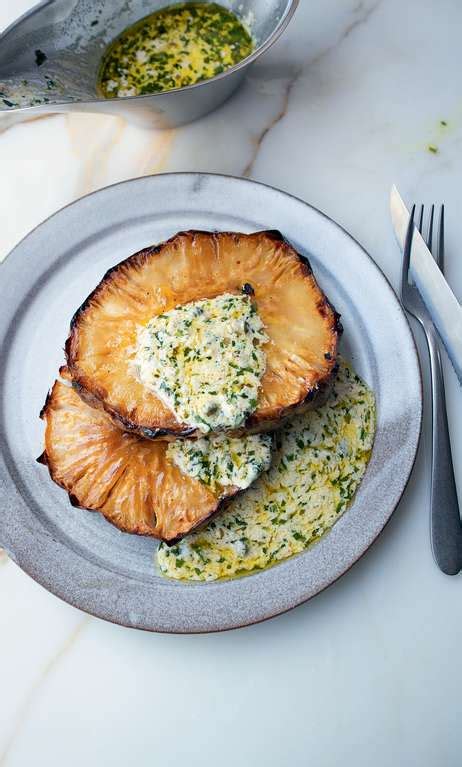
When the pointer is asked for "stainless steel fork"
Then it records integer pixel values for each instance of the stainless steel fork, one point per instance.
(445, 522)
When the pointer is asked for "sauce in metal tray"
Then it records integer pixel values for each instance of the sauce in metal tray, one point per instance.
(177, 46)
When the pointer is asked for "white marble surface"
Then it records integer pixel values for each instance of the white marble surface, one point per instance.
(369, 672)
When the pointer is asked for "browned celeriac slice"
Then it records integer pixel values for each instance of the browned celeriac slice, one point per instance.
(301, 324)
(124, 476)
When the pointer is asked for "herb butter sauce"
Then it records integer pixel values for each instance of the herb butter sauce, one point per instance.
(220, 460)
(205, 360)
(318, 463)
(177, 46)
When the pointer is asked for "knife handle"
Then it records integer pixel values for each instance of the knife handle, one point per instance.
(446, 525)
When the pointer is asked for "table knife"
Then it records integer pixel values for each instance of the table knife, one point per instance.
(444, 308)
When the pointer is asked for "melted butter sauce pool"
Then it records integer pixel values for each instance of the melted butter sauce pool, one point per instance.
(319, 461)
(177, 46)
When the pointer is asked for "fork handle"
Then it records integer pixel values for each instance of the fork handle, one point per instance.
(445, 522)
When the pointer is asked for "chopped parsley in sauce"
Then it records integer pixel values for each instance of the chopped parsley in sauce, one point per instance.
(205, 360)
(220, 460)
(319, 460)
(172, 48)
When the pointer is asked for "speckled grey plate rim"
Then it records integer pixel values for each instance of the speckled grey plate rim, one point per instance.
(71, 571)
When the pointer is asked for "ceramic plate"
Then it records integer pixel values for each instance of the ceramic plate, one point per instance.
(76, 554)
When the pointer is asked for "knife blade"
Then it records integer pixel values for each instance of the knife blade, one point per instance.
(443, 306)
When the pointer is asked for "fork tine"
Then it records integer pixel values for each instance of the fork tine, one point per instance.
(407, 251)
(430, 231)
(420, 224)
(440, 250)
